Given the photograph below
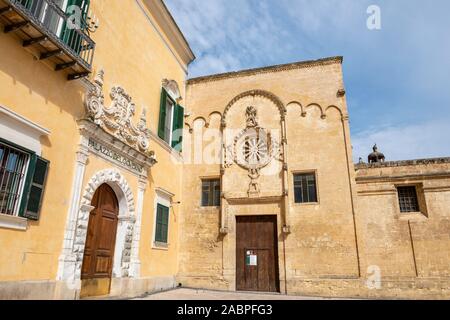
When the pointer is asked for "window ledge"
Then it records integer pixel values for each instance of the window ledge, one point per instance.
(12, 222)
(160, 246)
(413, 216)
(209, 208)
(298, 204)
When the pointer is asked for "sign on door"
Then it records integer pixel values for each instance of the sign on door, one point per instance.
(251, 259)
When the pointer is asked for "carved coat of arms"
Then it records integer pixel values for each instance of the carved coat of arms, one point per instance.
(117, 118)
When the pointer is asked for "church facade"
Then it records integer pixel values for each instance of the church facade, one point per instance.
(120, 176)
(296, 215)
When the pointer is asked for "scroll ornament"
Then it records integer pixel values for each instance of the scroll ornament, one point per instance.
(117, 118)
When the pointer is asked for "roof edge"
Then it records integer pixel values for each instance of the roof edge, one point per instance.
(179, 30)
(171, 29)
(402, 163)
(273, 68)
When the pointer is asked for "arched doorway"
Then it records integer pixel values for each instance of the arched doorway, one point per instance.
(96, 271)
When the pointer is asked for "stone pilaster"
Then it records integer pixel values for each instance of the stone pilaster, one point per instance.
(68, 258)
(135, 263)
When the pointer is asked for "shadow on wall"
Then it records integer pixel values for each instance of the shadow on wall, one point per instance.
(40, 79)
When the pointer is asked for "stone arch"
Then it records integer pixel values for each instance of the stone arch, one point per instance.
(125, 228)
(336, 108)
(198, 119)
(113, 178)
(315, 105)
(298, 104)
(254, 93)
(188, 126)
(215, 113)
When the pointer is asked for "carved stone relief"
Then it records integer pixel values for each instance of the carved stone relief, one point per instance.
(253, 149)
(117, 119)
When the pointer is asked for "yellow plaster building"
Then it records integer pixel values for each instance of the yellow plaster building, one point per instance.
(120, 177)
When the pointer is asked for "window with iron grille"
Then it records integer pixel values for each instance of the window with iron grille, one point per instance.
(13, 170)
(211, 193)
(23, 176)
(305, 188)
(408, 200)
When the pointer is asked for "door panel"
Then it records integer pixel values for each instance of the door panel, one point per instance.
(257, 254)
(101, 236)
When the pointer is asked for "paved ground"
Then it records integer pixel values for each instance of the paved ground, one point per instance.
(192, 294)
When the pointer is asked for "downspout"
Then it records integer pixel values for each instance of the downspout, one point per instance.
(286, 227)
(344, 120)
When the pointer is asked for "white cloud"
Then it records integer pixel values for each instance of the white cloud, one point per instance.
(423, 140)
(228, 35)
(399, 75)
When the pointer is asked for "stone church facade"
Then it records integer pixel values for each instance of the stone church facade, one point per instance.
(119, 176)
(350, 238)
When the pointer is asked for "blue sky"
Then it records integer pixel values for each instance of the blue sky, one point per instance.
(397, 78)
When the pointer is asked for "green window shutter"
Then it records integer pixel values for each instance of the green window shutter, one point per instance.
(27, 184)
(165, 225)
(162, 223)
(34, 188)
(178, 123)
(162, 114)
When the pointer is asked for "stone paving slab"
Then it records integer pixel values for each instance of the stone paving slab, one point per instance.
(194, 294)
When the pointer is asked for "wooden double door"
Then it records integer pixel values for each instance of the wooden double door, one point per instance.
(257, 254)
(96, 272)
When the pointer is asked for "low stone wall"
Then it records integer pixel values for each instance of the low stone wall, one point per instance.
(57, 290)
(130, 288)
(28, 290)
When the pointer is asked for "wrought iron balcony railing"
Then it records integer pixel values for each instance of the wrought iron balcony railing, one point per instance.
(51, 33)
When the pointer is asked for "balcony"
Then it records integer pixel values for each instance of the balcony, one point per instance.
(43, 28)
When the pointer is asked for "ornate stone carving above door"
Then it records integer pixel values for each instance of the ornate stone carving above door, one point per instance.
(253, 149)
(117, 118)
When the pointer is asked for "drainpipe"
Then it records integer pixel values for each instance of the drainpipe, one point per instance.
(286, 183)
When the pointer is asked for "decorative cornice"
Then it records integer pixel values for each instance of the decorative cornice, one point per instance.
(243, 198)
(164, 192)
(172, 88)
(41, 131)
(390, 178)
(270, 69)
(94, 134)
(403, 163)
(380, 192)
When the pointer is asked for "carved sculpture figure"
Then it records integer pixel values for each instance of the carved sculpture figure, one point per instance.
(252, 117)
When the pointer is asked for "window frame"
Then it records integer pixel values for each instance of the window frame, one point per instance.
(211, 197)
(168, 139)
(313, 172)
(162, 198)
(176, 119)
(161, 242)
(417, 198)
(20, 208)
